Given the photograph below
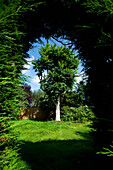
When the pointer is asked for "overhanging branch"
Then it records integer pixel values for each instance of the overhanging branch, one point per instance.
(61, 41)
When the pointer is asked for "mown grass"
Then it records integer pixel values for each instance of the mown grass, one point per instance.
(54, 145)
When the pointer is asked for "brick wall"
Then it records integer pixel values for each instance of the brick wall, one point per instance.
(32, 113)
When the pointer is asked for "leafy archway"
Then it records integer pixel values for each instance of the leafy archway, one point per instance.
(89, 32)
(87, 26)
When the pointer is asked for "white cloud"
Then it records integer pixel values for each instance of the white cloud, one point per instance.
(29, 60)
(78, 79)
(32, 57)
(28, 66)
(36, 80)
(24, 71)
(81, 77)
(27, 72)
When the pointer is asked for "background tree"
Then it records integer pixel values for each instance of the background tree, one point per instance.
(36, 98)
(71, 99)
(79, 96)
(61, 66)
(28, 93)
(83, 92)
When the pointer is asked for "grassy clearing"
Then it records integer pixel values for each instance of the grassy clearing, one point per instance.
(54, 145)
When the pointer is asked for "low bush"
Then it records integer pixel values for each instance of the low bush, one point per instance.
(80, 114)
(84, 113)
(68, 113)
(9, 147)
(9, 154)
(9, 159)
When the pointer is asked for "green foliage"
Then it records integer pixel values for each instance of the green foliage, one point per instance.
(60, 65)
(37, 97)
(77, 97)
(80, 114)
(100, 6)
(9, 155)
(28, 93)
(12, 59)
(68, 113)
(84, 113)
(10, 84)
(107, 151)
(9, 151)
(72, 99)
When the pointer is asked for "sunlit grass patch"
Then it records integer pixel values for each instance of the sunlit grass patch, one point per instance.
(33, 131)
(54, 145)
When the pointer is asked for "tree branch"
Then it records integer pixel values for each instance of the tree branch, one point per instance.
(61, 41)
(63, 95)
(53, 101)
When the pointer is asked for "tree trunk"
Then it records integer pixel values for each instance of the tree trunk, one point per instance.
(58, 109)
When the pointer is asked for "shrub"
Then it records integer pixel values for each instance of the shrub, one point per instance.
(80, 114)
(68, 113)
(9, 153)
(84, 113)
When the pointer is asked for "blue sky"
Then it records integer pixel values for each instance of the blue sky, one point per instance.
(33, 53)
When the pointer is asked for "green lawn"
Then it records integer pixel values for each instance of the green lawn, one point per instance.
(55, 145)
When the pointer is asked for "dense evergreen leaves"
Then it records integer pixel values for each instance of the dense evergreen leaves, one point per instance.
(12, 59)
(99, 64)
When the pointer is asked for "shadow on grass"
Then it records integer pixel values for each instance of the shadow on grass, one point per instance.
(59, 155)
(64, 154)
